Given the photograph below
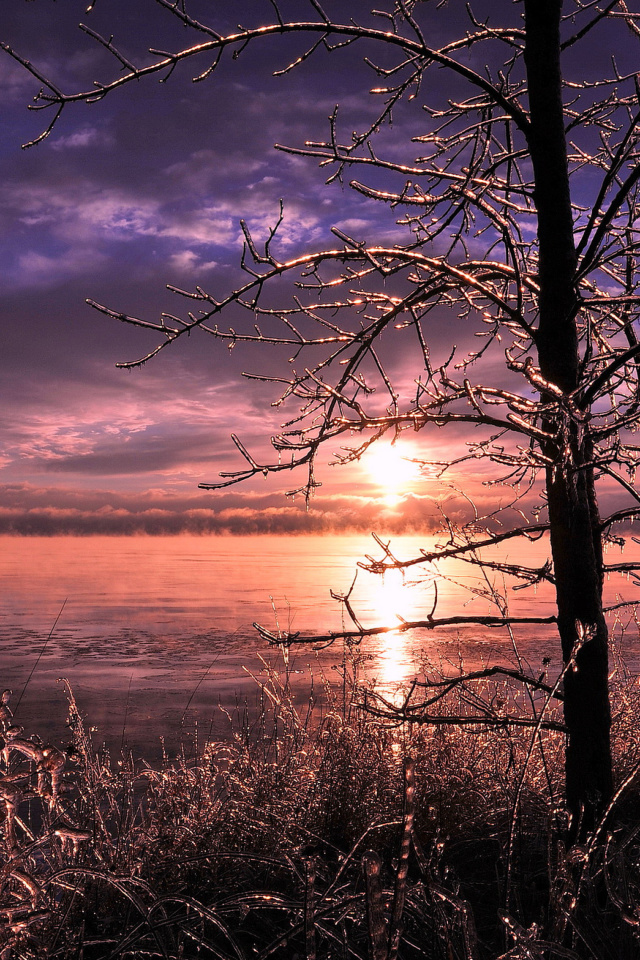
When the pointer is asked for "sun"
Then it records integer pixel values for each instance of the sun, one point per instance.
(391, 470)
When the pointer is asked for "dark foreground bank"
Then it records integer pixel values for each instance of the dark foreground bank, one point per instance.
(319, 836)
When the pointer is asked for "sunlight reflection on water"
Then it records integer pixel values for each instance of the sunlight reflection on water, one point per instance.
(152, 625)
(393, 600)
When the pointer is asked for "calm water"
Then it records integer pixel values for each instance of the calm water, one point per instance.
(156, 632)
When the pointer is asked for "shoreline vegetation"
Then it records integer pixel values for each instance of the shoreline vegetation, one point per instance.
(317, 834)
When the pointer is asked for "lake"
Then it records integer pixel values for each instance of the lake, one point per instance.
(155, 633)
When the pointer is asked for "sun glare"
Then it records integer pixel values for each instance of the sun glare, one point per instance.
(391, 470)
(392, 599)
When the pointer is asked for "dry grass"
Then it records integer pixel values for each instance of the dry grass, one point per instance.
(317, 835)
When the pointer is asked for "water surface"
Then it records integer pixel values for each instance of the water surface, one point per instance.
(155, 632)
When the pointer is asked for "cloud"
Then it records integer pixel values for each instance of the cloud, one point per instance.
(15, 82)
(26, 509)
(202, 169)
(30, 510)
(81, 139)
(121, 425)
(354, 227)
(73, 227)
(35, 269)
(190, 263)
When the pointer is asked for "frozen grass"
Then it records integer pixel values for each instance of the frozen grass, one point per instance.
(312, 834)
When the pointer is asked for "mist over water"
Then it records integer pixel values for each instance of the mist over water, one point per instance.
(157, 632)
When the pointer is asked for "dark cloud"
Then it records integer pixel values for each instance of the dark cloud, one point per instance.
(151, 454)
(46, 511)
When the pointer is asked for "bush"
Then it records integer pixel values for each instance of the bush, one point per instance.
(327, 832)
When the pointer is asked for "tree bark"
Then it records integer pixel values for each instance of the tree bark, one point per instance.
(575, 533)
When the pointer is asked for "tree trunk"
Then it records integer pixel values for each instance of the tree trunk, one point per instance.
(576, 540)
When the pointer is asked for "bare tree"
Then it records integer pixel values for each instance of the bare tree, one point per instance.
(519, 218)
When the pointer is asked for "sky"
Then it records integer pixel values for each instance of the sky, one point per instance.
(143, 189)
(125, 196)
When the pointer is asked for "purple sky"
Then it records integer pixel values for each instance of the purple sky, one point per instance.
(142, 189)
(146, 188)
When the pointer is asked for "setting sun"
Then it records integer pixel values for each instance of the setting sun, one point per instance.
(392, 470)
